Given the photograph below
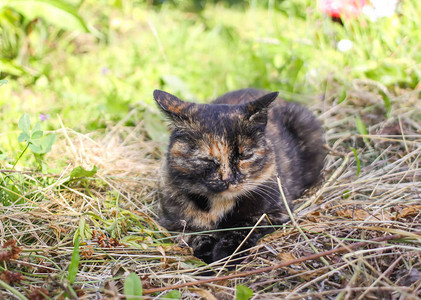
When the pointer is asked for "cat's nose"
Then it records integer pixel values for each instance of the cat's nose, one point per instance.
(229, 180)
(227, 176)
(224, 185)
(218, 186)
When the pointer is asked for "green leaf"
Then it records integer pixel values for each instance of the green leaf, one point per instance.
(342, 96)
(25, 124)
(56, 12)
(23, 137)
(357, 159)
(3, 82)
(133, 287)
(362, 129)
(47, 142)
(83, 231)
(35, 147)
(37, 127)
(192, 263)
(82, 227)
(36, 134)
(171, 295)
(11, 67)
(74, 263)
(81, 172)
(37, 143)
(243, 292)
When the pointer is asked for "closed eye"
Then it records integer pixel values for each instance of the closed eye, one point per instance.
(245, 156)
(208, 160)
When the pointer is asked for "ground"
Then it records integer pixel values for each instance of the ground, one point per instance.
(93, 91)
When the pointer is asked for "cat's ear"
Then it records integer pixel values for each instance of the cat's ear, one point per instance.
(257, 110)
(171, 105)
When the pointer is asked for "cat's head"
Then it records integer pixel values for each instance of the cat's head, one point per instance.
(217, 149)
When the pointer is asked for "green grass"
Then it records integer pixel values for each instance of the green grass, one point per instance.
(97, 89)
(290, 47)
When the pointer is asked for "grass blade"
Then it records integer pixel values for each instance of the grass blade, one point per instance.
(357, 159)
(362, 129)
(7, 287)
(387, 104)
(74, 263)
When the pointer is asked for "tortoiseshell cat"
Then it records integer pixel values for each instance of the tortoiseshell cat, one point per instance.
(222, 162)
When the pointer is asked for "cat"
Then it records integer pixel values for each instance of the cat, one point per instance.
(222, 164)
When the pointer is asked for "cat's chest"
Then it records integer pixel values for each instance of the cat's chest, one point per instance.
(209, 218)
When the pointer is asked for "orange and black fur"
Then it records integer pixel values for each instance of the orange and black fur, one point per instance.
(222, 162)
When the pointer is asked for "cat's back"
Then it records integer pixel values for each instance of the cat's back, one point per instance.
(242, 96)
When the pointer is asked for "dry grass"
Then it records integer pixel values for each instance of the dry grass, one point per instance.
(119, 203)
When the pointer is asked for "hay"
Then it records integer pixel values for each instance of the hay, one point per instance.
(119, 203)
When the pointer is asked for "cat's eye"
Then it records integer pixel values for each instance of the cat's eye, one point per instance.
(245, 156)
(208, 160)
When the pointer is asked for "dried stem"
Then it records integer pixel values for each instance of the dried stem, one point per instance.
(284, 264)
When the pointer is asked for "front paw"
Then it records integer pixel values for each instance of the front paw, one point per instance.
(229, 243)
(202, 247)
(225, 247)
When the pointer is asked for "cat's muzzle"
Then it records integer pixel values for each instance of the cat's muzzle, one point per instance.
(218, 186)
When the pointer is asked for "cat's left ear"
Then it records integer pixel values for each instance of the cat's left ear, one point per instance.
(257, 110)
(171, 105)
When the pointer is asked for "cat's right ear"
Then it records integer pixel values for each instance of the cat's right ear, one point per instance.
(172, 106)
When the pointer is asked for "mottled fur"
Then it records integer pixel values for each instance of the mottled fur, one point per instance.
(222, 162)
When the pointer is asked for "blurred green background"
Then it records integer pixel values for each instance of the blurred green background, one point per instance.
(90, 62)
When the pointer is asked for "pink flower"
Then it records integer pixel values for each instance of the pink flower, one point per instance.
(44, 117)
(342, 8)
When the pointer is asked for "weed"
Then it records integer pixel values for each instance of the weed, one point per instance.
(35, 139)
(133, 287)
(94, 65)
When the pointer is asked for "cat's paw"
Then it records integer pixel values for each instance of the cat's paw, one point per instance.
(203, 246)
(224, 247)
(228, 244)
